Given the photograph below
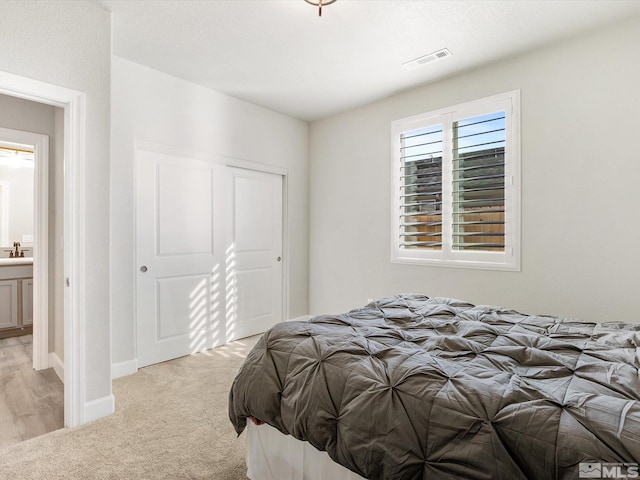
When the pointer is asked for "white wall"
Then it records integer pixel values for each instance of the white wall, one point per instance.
(580, 194)
(155, 107)
(67, 43)
(20, 114)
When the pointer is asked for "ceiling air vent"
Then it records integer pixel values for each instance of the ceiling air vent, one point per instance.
(432, 57)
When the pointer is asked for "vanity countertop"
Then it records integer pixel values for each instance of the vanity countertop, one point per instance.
(16, 261)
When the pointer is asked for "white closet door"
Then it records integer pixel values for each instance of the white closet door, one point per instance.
(209, 247)
(180, 256)
(254, 262)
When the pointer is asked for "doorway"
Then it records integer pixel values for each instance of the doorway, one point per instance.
(76, 411)
(24, 168)
(24, 275)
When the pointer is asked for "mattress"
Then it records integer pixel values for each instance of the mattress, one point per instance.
(272, 455)
(412, 387)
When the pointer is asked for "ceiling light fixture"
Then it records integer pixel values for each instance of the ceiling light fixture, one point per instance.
(320, 4)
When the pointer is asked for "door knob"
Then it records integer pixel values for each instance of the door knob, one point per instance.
(279, 258)
(143, 268)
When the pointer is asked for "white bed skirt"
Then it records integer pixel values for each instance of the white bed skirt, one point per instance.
(272, 455)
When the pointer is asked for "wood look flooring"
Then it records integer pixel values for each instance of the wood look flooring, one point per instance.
(31, 402)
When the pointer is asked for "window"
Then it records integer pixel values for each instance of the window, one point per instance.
(457, 185)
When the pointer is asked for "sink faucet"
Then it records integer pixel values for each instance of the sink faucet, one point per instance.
(17, 251)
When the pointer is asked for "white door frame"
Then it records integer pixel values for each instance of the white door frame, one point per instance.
(40, 145)
(73, 102)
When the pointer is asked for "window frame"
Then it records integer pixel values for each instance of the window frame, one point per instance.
(509, 260)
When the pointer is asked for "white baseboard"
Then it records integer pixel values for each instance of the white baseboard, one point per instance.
(57, 365)
(302, 318)
(122, 369)
(101, 407)
(129, 367)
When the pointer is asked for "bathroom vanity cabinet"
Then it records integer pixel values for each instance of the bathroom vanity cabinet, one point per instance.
(16, 297)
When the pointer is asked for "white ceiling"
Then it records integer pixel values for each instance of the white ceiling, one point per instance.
(281, 55)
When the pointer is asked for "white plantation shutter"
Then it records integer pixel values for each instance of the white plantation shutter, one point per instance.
(421, 188)
(456, 186)
(478, 183)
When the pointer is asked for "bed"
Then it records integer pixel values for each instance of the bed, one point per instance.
(412, 387)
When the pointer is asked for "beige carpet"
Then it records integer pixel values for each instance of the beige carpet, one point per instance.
(170, 422)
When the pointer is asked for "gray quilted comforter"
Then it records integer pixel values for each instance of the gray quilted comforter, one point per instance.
(412, 387)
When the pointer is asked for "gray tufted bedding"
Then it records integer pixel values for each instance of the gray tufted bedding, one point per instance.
(412, 387)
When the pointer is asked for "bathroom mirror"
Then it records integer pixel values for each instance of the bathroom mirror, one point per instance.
(16, 200)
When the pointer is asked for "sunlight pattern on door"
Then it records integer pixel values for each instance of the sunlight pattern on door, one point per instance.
(205, 306)
(231, 293)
